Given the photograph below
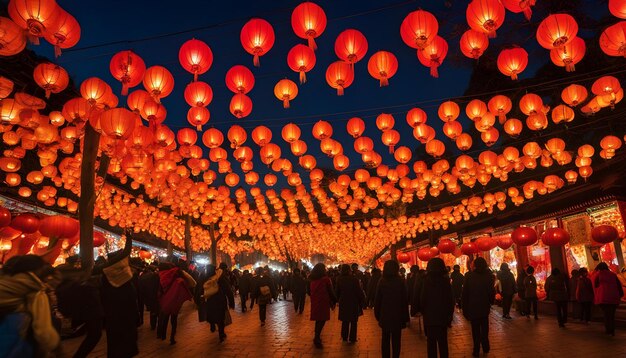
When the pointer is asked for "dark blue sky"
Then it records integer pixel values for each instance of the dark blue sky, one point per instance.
(156, 29)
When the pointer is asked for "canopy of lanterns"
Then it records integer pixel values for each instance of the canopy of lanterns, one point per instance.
(344, 212)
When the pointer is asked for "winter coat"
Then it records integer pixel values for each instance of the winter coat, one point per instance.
(213, 309)
(298, 286)
(350, 297)
(584, 289)
(173, 291)
(478, 294)
(521, 290)
(607, 288)
(530, 287)
(508, 286)
(322, 298)
(410, 285)
(261, 281)
(372, 286)
(556, 288)
(391, 306)
(245, 284)
(457, 283)
(120, 314)
(148, 290)
(79, 300)
(436, 301)
(573, 287)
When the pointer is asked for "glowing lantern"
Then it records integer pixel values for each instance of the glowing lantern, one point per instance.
(153, 112)
(504, 242)
(198, 94)
(363, 145)
(270, 179)
(490, 136)
(618, 8)
(58, 226)
(196, 57)
(6, 85)
(469, 248)
(251, 178)
(486, 243)
(416, 116)
(606, 85)
(137, 99)
(301, 59)
(26, 223)
(418, 29)
(158, 81)
(341, 162)
(585, 171)
(562, 113)
(403, 257)
(52, 78)
(452, 129)
(236, 136)
(517, 6)
(569, 55)
(512, 62)
(513, 127)
(321, 130)
(355, 127)
(436, 148)
(524, 236)
(500, 105)
(403, 154)
(257, 38)
(433, 54)
(12, 179)
(485, 16)
(94, 90)
(476, 109)
(240, 105)
(118, 123)
(446, 246)
(231, 179)
(35, 16)
(5, 217)
(382, 66)
(586, 151)
(556, 31)
(351, 46)
(613, 40)
(390, 138)
(291, 133)
(537, 121)
(128, 68)
(269, 153)
(308, 21)
(610, 143)
(285, 90)
(186, 136)
(298, 147)
(261, 135)
(339, 75)
(604, 234)
(555, 237)
(448, 111)
(425, 254)
(212, 138)
(64, 33)
(239, 79)
(385, 121)
(12, 38)
(198, 116)
(423, 133)
(361, 175)
(474, 43)
(308, 162)
(530, 103)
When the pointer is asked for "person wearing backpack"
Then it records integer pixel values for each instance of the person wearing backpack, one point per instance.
(557, 291)
(214, 296)
(175, 287)
(263, 292)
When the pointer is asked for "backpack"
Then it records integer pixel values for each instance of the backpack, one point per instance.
(211, 286)
(16, 336)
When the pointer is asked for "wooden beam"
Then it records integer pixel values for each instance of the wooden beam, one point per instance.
(188, 250)
(87, 200)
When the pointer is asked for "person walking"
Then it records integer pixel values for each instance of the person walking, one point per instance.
(391, 308)
(372, 286)
(175, 287)
(521, 291)
(557, 292)
(245, 285)
(322, 300)
(148, 290)
(478, 296)
(263, 292)
(584, 294)
(457, 284)
(573, 287)
(298, 290)
(508, 289)
(351, 300)
(436, 302)
(214, 296)
(607, 294)
(530, 292)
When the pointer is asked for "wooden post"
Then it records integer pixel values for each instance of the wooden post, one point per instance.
(394, 252)
(213, 245)
(170, 250)
(87, 200)
(188, 250)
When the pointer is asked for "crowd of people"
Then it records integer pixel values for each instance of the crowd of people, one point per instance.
(40, 304)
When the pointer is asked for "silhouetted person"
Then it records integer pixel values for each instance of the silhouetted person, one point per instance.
(608, 293)
(410, 282)
(557, 291)
(530, 292)
(457, 284)
(573, 287)
(245, 285)
(298, 290)
(351, 300)
(478, 296)
(263, 292)
(372, 286)
(148, 290)
(391, 308)
(584, 294)
(508, 288)
(322, 299)
(214, 296)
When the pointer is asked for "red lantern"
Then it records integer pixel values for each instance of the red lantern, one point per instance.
(485, 243)
(351, 46)
(613, 40)
(98, 239)
(446, 246)
(355, 127)
(240, 105)
(603, 234)
(118, 123)
(239, 79)
(196, 57)
(257, 38)
(469, 248)
(58, 226)
(382, 66)
(485, 15)
(5, 217)
(198, 116)
(569, 55)
(618, 8)
(35, 16)
(504, 242)
(556, 31)
(524, 236)
(145, 254)
(26, 223)
(403, 257)
(128, 68)
(12, 38)
(198, 94)
(9, 233)
(52, 78)
(308, 21)
(555, 237)
(65, 32)
(418, 29)
(339, 75)
(158, 81)
(517, 6)
(415, 117)
(285, 90)
(433, 55)
(474, 43)
(261, 135)
(301, 59)
(512, 62)
(424, 254)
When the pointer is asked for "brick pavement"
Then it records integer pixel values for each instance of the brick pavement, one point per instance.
(287, 334)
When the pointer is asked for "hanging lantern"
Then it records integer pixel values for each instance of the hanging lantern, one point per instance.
(562, 113)
(74, 110)
(236, 136)
(448, 111)
(58, 226)
(12, 38)
(500, 105)
(341, 162)
(95, 91)
(52, 78)
(159, 82)
(435, 148)
(186, 136)
(382, 66)
(416, 116)
(285, 90)
(26, 223)
(569, 55)
(452, 129)
(363, 145)
(298, 147)
(490, 136)
(290, 133)
(270, 179)
(240, 105)
(153, 112)
(475, 109)
(555, 237)
(418, 29)
(212, 138)
(243, 154)
(198, 94)
(351, 46)
(606, 85)
(128, 68)
(269, 153)
(464, 141)
(65, 32)
(118, 123)
(613, 40)
(604, 234)
(556, 31)
(485, 16)
(339, 75)
(474, 43)
(423, 133)
(308, 21)
(257, 38)
(433, 55)
(618, 8)
(261, 135)
(239, 79)
(196, 57)
(385, 121)
(469, 248)
(517, 6)
(574, 95)
(301, 59)
(308, 162)
(403, 155)
(512, 62)
(36, 16)
(524, 236)
(231, 179)
(355, 127)
(198, 116)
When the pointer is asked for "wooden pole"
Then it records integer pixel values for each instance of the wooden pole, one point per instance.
(87, 196)
(188, 250)
(213, 245)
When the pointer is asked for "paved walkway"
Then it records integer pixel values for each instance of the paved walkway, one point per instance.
(289, 335)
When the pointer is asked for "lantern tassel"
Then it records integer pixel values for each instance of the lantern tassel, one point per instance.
(57, 51)
(286, 102)
(514, 76)
(528, 12)
(312, 43)
(195, 76)
(384, 81)
(302, 77)
(433, 70)
(199, 127)
(33, 39)
(124, 89)
(392, 149)
(570, 67)
(340, 91)
(47, 94)
(491, 34)
(501, 118)
(256, 61)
